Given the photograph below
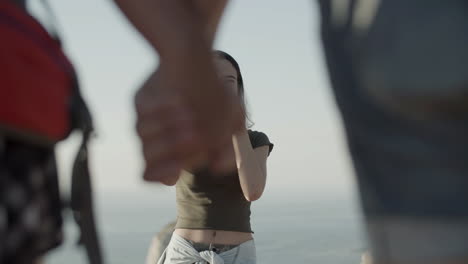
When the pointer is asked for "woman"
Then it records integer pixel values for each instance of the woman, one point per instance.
(213, 223)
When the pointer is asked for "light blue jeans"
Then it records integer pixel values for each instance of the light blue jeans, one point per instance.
(181, 251)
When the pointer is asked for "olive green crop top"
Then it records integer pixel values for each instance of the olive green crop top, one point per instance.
(208, 202)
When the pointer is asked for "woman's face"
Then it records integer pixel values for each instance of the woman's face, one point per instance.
(227, 74)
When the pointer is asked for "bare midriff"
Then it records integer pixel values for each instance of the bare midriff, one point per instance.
(209, 236)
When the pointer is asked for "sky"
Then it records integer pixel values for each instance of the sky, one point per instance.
(277, 45)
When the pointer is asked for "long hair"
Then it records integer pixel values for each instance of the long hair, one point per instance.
(240, 83)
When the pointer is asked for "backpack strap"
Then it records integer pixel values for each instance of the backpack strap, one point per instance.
(81, 201)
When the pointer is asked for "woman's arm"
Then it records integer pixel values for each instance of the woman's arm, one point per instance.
(251, 165)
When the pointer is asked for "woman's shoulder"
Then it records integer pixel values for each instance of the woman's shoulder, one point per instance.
(256, 133)
(259, 139)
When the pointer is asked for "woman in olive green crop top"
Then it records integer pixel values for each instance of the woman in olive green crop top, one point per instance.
(213, 221)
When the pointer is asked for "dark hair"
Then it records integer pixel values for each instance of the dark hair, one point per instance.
(240, 82)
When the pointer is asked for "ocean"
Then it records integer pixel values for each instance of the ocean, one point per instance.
(287, 229)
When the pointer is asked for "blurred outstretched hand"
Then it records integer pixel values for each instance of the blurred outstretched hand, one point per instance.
(185, 120)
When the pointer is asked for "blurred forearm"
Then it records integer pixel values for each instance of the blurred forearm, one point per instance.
(175, 28)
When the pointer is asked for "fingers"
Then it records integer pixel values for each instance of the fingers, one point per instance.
(197, 161)
(224, 161)
(149, 105)
(167, 153)
(167, 173)
(223, 158)
(181, 131)
(161, 124)
(169, 147)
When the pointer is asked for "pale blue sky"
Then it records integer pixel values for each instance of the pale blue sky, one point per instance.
(276, 44)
